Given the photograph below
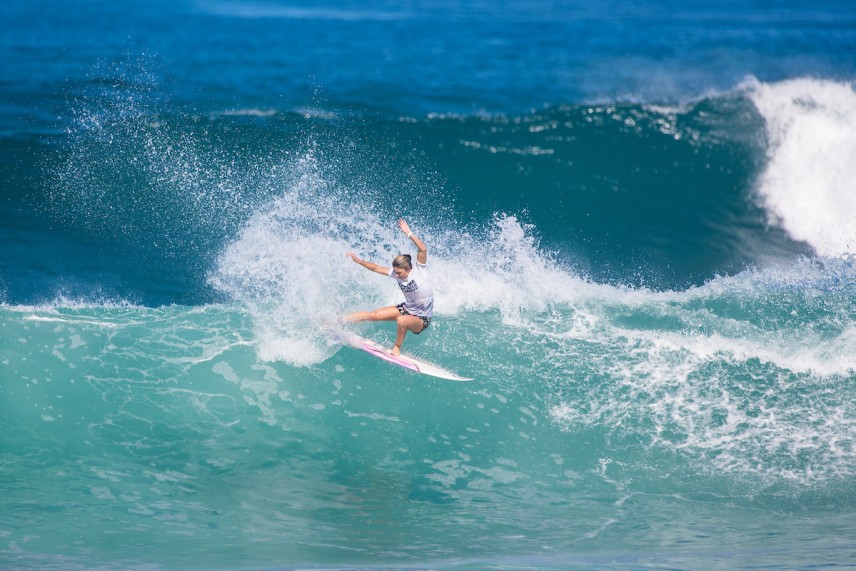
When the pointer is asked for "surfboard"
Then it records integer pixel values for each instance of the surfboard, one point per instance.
(405, 361)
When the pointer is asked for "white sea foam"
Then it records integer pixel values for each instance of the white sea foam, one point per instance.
(750, 374)
(727, 414)
(807, 185)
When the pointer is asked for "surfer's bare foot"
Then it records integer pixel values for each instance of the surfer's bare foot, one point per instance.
(395, 351)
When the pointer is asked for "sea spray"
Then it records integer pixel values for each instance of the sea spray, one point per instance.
(288, 263)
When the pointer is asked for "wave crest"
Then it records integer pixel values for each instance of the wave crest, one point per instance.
(807, 183)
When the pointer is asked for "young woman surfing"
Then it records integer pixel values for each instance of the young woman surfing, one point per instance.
(416, 311)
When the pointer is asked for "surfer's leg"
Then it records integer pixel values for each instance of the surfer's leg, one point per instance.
(383, 314)
(406, 323)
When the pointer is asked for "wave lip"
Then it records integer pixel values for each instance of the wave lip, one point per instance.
(807, 185)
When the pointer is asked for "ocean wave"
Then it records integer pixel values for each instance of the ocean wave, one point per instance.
(746, 378)
(638, 193)
(746, 375)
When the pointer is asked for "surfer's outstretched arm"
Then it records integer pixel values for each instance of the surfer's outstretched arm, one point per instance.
(422, 253)
(369, 265)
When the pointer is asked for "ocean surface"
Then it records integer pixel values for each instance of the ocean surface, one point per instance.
(641, 222)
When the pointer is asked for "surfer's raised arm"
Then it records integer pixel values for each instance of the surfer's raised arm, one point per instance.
(369, 265)
(422, 253)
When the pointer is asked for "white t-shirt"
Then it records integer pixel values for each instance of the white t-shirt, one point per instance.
(418, 295)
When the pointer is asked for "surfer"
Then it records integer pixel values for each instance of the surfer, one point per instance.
(416, 311)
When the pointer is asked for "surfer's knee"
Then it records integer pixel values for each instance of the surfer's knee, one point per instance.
(410, 323)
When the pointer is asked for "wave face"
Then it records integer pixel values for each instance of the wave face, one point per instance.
(628, 194)
(647, 266)
(597, 412)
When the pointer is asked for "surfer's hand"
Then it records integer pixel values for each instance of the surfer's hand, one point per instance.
(404, 227)
(353, 256)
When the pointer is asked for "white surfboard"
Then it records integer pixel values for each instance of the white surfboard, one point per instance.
(406, 361)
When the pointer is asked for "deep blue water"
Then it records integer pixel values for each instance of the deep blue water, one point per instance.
(641, 225)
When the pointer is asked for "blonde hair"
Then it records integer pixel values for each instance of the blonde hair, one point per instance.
(402, 261)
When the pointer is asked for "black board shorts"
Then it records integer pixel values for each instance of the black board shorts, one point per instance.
(425, 320)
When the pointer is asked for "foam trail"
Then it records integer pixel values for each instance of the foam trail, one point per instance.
(807, 186)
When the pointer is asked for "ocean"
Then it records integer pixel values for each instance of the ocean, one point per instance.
(641, 224)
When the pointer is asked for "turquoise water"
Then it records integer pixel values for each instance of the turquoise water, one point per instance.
(616, 429)
(640, 224)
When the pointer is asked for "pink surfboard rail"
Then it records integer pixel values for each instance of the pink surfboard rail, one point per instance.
(406, 361)
(389, 357)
